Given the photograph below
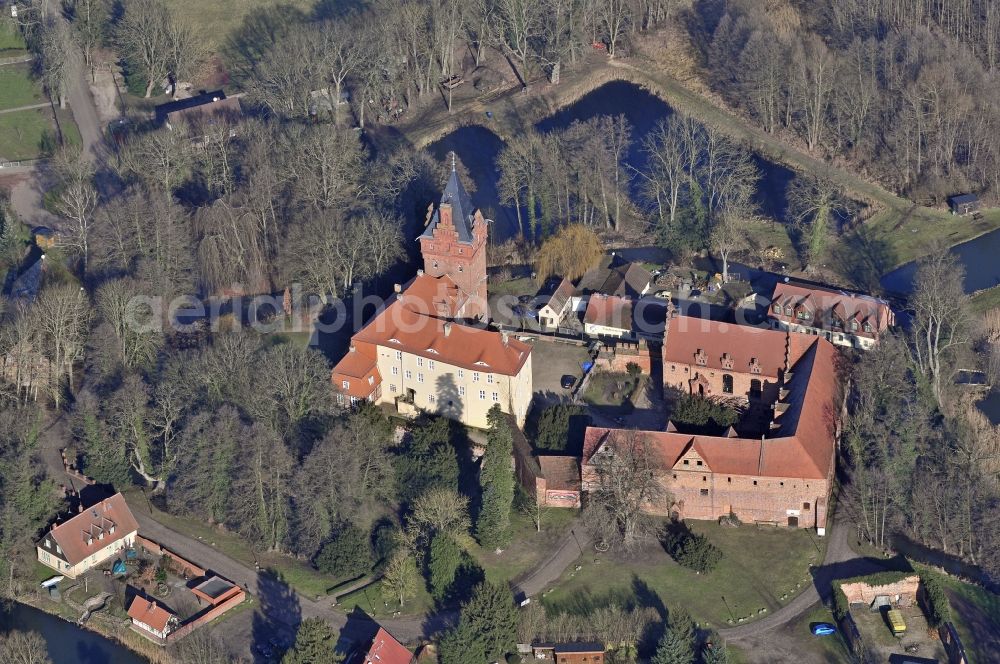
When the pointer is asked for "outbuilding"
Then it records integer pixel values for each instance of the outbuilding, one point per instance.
(963, 204)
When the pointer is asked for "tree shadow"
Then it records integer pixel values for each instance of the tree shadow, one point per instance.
(864, 258)
(260, 31)
(277, 617)
(648, 598)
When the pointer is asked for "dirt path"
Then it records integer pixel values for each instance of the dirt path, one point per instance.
(551, 569)
(29, 107)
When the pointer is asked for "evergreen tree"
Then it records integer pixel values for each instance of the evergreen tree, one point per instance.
(461, 645)
(490, 617)
(347, 554)
(496, 478)
(444, 560)
(314, 643)
(559, 425)
(715, 655)
(678, 643)
(427, 460)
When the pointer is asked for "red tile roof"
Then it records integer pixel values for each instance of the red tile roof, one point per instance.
(359, 370)
(561, 473)
(609, 311)
(95, 524)
(685, 336)
(434, 296)
(148, 612)
(802, 448)
(398, 327)
(820, 302)
(385, 649)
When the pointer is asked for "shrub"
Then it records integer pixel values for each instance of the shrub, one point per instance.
(938, 606)
(347, 554)
(633, 370)
(560, 427)
(840, 605)
(703, 413)
(513, 658)
(692, 550)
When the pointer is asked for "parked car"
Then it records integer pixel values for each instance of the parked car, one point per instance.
(663, 294)
(823, 629)
(567, 382)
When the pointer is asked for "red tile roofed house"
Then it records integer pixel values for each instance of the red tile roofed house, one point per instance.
(384, 649)
(608, 316)
(782, 478)
(356, 377)
(96, 534)
(151, 619)
(561, 481)
(426, 363)
(843, 318)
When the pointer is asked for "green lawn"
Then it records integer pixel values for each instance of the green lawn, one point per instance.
(17, 88)
(611, 388)
(760, 569)
(216, 20)
(22, 133)
(371, 601)
(528, 547)
(986, 300)
(11, 41)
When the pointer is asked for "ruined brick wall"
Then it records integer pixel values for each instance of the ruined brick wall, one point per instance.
(679, 375)
(862, 593)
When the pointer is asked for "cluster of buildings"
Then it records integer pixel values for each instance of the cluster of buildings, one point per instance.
(428, 350)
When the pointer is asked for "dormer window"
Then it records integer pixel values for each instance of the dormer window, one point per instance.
(480, 363)
(394, 340)
(48, 543)
(777, 309)
(854, 326)
(802, 314)
(371, 380)
(868, 327)
(700, 357)
(788, 310)
(432, 350)
(111, 530)
(727, 361)
(345, 384)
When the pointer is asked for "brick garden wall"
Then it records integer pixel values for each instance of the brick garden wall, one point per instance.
(156, 549)
(862, 593)
(205, 617)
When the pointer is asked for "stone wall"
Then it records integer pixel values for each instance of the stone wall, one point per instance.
(903, 591)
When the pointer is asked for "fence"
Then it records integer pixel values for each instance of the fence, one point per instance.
(952, 644)
(205, 617)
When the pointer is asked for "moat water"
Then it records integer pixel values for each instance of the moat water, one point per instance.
(67, 643)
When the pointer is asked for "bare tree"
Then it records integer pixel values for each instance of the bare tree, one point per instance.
(616, 17)
(729, 235)
(133, 320)
(19, 647)
(76, 199)
(941, 321)
(155, 43)
(814, 203)
(399, 580)
(63, 315)
(55, 48)
(626, 484)
(439, 511)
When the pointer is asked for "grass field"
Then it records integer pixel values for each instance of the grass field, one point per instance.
(21, 133)
(528, 547)
(217, 20)
(761, 569)
(976, 614)
(986, 300)
(11, 42)
(17, 88)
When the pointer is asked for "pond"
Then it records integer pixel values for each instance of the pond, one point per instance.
(979, 256)
(67, 643)
(990, 406)
(478, 148)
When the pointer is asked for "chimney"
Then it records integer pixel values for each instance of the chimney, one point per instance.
(353, 348)
(420, 273)
(447, 328)
(505, 338)
(397, 288)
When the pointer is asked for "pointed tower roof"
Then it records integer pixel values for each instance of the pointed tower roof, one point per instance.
(461, 208)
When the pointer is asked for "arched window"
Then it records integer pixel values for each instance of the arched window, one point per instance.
(727, 384)
(755, 388)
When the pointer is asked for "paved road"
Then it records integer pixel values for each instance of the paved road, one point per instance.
(840, 562)
(551, 569)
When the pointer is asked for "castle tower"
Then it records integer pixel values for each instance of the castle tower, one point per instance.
(454, 243)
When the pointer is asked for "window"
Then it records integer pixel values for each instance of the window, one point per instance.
(392, 387)
(345, 384)
(777, 308)
(409, 375)
(459, 268)
(704, 478)
(482, 394)
(461, 373)
(430, 364)
(704, 492)
(854, 326)
(673, 368)
(729, 480)
(420, 377)
(675, 476)
(803, 315)
(475, 376)
(399, 354)
(431, 398)
(435, 263)
(781, 484)
(420, 361)
(699, 462)
(461, 390)
(805, 507)
(489, 378)
(395, 371)
(727, 384)
(371, 380)
(755, 482)
(496, 397)
(788, 311)
(686, 462)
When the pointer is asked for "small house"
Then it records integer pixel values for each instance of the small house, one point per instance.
(963, 204)
(151, 619)
(608, 316)
(95, 535)
(555, 300)
(383, 649)
(616, 276)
